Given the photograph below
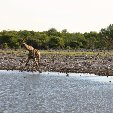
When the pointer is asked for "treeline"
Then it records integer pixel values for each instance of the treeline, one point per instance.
(53, 39)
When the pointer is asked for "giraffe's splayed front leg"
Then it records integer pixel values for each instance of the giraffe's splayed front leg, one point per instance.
(27, 62)
(36, 64)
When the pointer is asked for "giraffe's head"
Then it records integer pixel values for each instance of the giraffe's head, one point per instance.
(23, 44)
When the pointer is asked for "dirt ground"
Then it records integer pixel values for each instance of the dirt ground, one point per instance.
(99, 63)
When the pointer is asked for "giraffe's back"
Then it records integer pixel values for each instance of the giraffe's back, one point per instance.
(36, 53)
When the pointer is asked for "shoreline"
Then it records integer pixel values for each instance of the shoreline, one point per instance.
(92, 64)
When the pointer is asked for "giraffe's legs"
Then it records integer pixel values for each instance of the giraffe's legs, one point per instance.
(35, 65)
(35, 62)
(27, 61)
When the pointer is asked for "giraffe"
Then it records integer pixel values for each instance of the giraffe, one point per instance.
(33, 54)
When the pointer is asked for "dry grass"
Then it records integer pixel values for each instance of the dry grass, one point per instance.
(21, 52)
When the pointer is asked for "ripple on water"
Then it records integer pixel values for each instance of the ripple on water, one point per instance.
(23, 92)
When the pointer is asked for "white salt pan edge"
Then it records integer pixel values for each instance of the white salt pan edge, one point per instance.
(83, 76)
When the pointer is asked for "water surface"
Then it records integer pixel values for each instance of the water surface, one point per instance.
(23, 92)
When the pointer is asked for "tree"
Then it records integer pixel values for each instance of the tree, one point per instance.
(64, 31)
(107, 35)
(56, 42)
(53, 32)
(91, 39)
(5, 45)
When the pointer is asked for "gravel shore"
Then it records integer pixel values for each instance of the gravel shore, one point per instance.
(95, 64)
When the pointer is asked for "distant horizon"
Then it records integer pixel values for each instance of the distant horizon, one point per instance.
(51, 28)
(41, 15)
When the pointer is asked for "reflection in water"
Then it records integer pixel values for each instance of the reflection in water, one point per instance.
(23, 92)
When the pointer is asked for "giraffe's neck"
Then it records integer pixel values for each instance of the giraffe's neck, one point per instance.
(27, 47)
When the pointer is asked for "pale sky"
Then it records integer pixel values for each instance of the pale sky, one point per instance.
(41, 15)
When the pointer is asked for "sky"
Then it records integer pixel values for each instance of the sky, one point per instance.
(41, 15)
